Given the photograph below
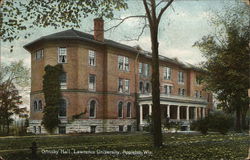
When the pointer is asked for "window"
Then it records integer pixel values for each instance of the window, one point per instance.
(34, 128)
(123, 85)
(62, 55)
(39, 54)
(120, 85)
(180, 77)
(168, 89)
(196, 94)
(128, 109)
(39, 129)
(129, 128)
(92, 129)
(62, 129)
(40, 105)
(181, 91)
(146, 70)
(92, 82)
(92, 58)
(200, 94)
(140, 68)
(63, 80)
(198, 80)
(126, 87)
(120, 128)
(62, 108)
(141, 87)
(147, 87)
(123, 63)
(120, 110)
(167, 73)
(92, 109)
(35, 106)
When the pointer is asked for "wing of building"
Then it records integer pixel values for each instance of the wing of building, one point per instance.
(109, 84)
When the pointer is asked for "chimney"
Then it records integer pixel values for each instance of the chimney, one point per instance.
(98, 29)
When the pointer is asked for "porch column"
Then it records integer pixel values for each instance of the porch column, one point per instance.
(195, 113)
(178, 112)
(168, 107)
(150, 109)
(187, 113)
(203, 112)
(141, 114)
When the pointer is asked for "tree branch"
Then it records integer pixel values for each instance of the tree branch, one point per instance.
(163, 10)
(123, 20)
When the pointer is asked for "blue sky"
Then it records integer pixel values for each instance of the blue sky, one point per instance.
(183, 24)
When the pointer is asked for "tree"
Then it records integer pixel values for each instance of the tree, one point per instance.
(15, 74)
(228, 66)
(18, 15)
(68, 14)
(52, 95)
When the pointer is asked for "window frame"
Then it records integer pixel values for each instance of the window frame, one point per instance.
(39, 55)
(89, 83)
(118, 108)
(130, 110)
(181, 77)
(60, 54)
(95, 108)
(167, 73)
(92, 58)
(66, 104)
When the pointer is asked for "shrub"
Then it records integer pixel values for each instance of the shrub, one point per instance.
(201, 125)
(220, 122)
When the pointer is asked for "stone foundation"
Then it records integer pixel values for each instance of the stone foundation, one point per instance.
(84, 126)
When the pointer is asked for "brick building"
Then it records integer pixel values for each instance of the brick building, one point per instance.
(108, 84)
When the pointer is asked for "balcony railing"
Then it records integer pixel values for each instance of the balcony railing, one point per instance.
(148, 95)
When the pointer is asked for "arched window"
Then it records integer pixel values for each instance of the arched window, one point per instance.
(120, 112)
(141, 87)
(147, 88)
(40, 105)
(35, 105)
(62, 108)
(128, 109)
(92, 109)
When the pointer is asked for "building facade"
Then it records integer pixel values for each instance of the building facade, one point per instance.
(108, 84)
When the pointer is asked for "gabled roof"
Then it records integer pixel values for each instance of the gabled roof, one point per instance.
(73, 34)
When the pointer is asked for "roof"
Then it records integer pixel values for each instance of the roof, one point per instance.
(78, 35)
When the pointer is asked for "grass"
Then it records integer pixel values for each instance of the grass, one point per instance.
(116, 146)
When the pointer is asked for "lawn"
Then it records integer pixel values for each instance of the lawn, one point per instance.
(127, 146)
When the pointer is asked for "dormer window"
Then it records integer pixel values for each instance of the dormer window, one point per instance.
(62, 55)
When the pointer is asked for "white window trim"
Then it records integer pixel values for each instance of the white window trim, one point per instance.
(94, 58)
(118, 109)
(124, 90)
(94, 89)
(58, 55)
(130, 110)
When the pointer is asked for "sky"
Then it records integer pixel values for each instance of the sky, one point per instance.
(184, 23)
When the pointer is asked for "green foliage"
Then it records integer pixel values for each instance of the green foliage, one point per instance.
(216, 121)
(220, 122)
(15, 14)
(11, 76)
(228, 66)
(179, 146)
(78, 116)
(52, 95)
(201, 125)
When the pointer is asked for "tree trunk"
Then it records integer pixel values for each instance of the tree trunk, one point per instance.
(238, 120)
(156, 89)
(243, 121)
